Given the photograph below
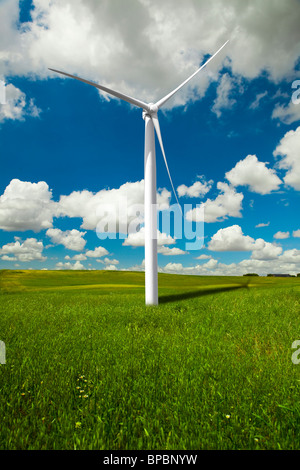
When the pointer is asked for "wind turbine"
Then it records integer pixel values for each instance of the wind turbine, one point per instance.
(150, 210)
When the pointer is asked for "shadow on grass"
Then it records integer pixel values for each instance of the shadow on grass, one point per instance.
(163, 299)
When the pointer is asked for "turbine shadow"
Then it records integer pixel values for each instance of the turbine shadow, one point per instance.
(163, 299)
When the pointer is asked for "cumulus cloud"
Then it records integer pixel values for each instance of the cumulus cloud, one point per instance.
(167, 251)
(287, 114)
(110, 261)
(173, 38)
(204, 269)
(8, 258)
(73, 266)
(270, 260)
(263, 250)
(296, 233)
(98, 252)
(111, 267)
(70, 239)
(117, 208)
(29, 250)
(29, 206)
(198, 189)
(281, 235)
(231, 239)
(26, 206)
(138, 239)
(79, 257)
(254, 174)
(287, 153)
(288, 263)
(17, 106)
(227, 204)
(291, 256)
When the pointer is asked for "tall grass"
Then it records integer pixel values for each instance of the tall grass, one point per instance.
(96, 369)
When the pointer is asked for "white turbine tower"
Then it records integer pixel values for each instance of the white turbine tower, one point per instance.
(150, 210)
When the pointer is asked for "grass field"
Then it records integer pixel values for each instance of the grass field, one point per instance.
(88, 366)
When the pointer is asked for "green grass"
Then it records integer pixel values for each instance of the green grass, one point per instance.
(88, 366)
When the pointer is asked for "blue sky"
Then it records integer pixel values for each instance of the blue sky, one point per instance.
(65, 148)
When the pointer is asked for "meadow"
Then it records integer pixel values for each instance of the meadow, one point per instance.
(88, 366)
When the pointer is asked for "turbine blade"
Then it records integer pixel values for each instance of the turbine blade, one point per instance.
(158, 133)
(117, 94)
(161, 102)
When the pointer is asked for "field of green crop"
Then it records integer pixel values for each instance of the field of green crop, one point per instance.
(88, 366)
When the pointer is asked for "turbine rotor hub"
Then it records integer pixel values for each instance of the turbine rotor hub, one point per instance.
(153, 108)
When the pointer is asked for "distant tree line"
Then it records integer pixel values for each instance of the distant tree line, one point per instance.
(273, 275)
(283, 275)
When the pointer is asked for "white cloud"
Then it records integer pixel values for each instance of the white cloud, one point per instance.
(117, 207)
(70, 239)
(111, 267)
(287, 114)
(262, 225)
(74, 267)
(227, 204)
(211, 264)
(289, 151)
(263, 250)
(138, 239)
(167, 251)
(26, 206)
(287, 263)
(253, 173)
(111, 261)
(281, 235)
(296, 233)
(203, 257)
(137, 267)
(98, 252)
(79, 257)
(17, 106)
(8, 258)
(29, 250)
(223, 100)
(108, 261)
(198, 189)
(256, 102)
(163, 42)
(267, 259)
(231, 239)
(173, 267)
(29, 206)
(291, 256)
